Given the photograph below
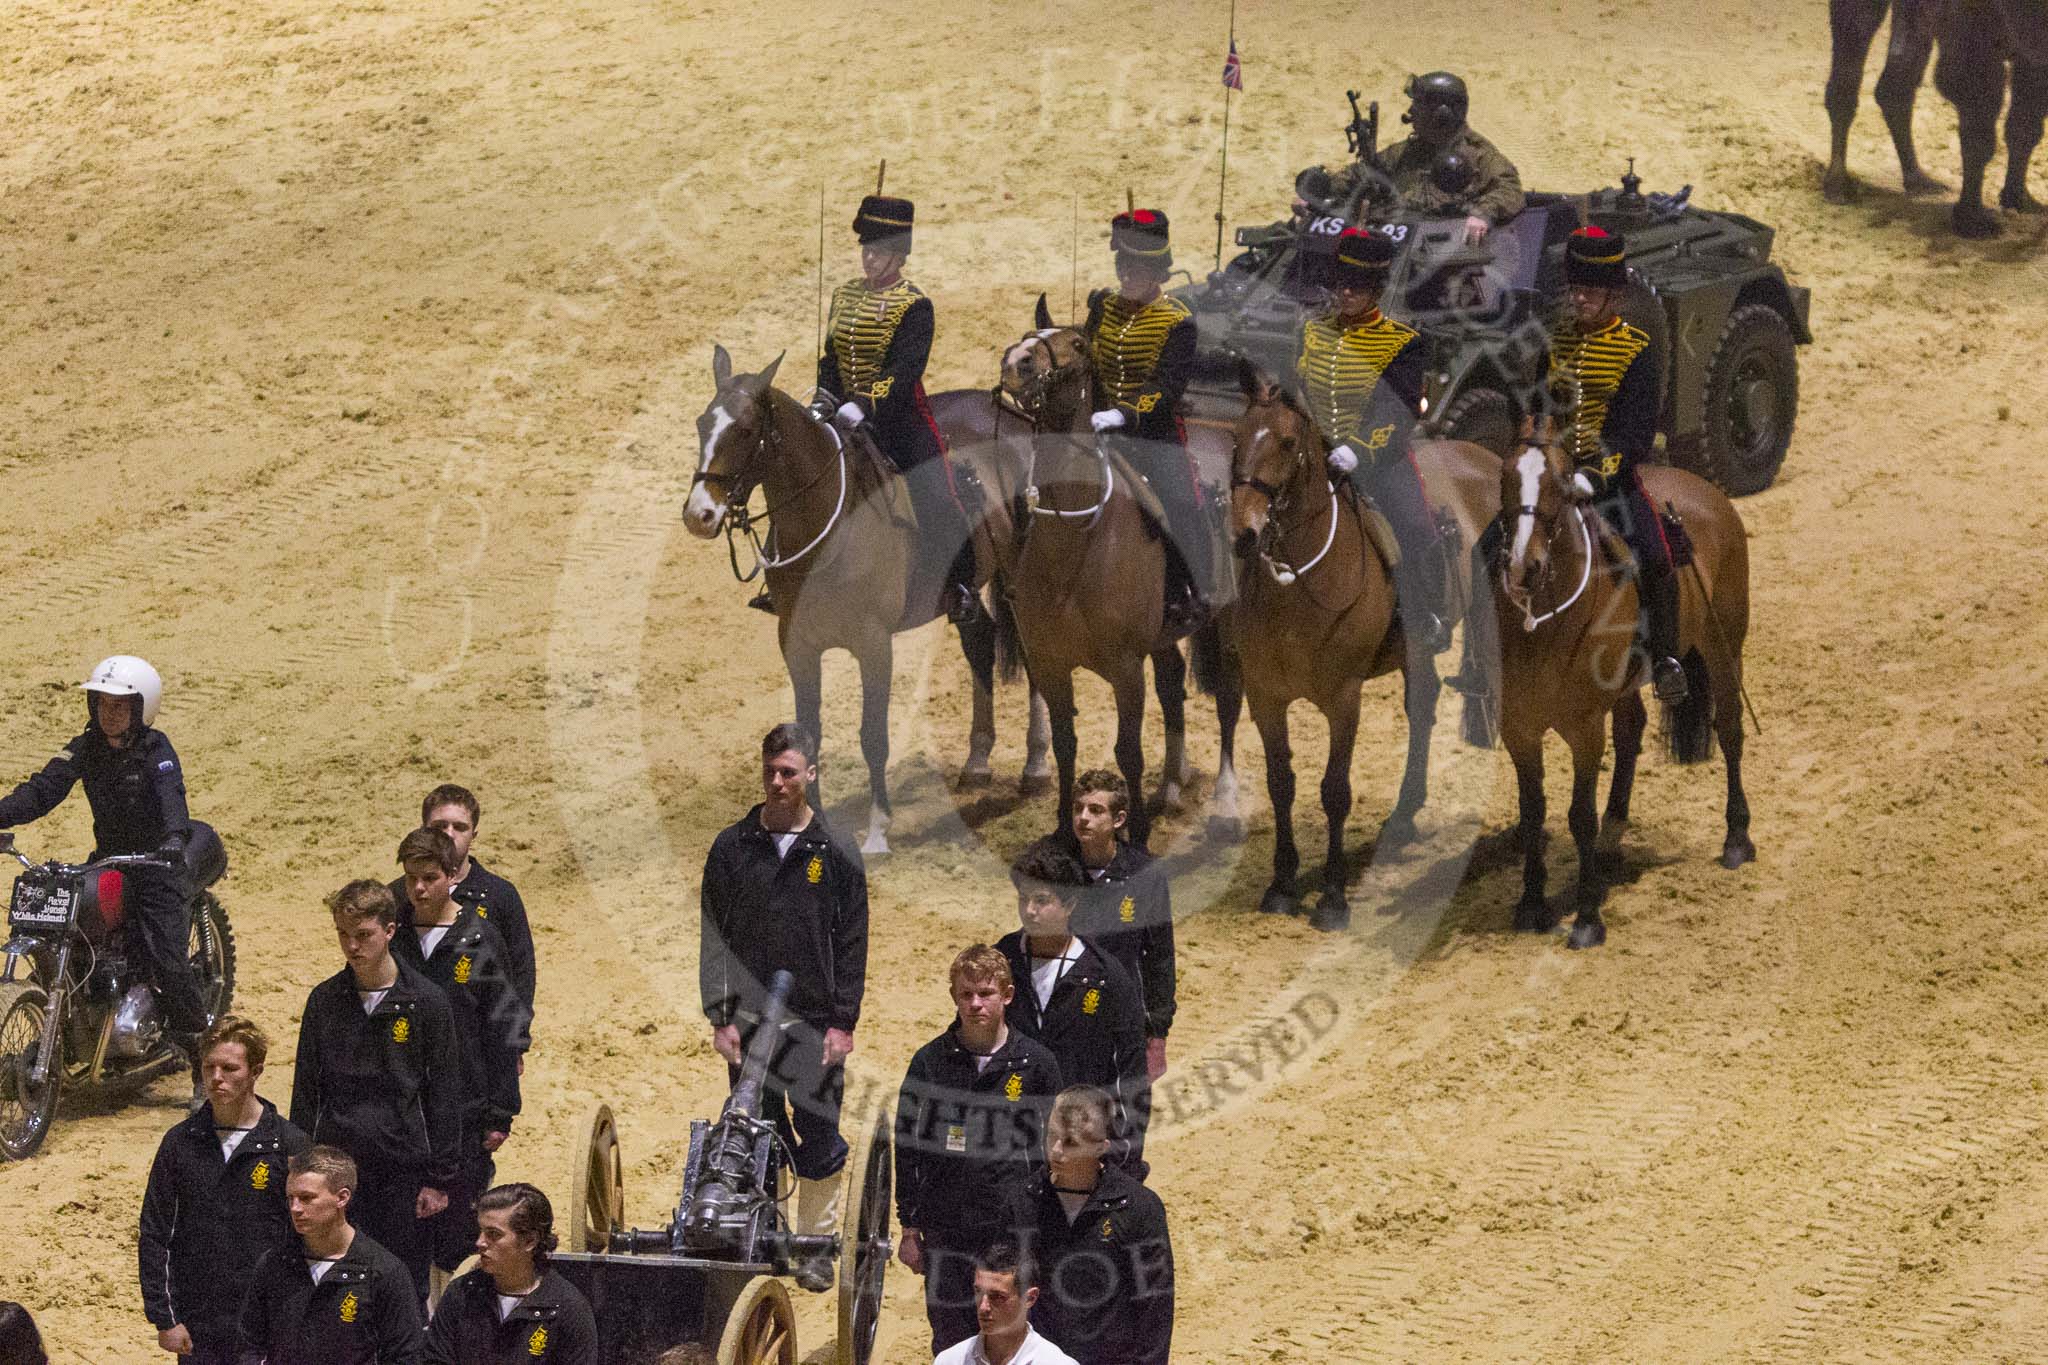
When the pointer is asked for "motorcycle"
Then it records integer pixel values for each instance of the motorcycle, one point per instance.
(76, 1007)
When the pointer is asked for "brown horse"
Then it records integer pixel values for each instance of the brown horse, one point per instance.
(1852, 27)
(1559, 651)
(1316, 618)
(839, 557)
(1082, 570)
(1976, 39)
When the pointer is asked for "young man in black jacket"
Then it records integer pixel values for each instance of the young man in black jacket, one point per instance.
(456, 948)
(136, 788)
(970, 1125)
(1104, 1253)
(379, 1075)
(334, 1297)
(455, 812)
(1127, 907)
(513, 1309)
(1075, 998)
(216, 1200)
(780, 894)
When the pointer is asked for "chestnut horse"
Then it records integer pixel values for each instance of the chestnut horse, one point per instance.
(840, 558)
(1316, 618)
(1082, 571)
(1559, 652)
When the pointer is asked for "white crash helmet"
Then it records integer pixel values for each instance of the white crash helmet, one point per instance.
(124, 675)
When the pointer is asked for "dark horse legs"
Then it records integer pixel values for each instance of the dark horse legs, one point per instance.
(1970, 74)
(2023, 123)
(1853, 26)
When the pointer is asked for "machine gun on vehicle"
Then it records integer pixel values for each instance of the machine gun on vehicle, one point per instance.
(708, 1276)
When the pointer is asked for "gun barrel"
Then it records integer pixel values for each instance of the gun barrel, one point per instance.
(746, 1096)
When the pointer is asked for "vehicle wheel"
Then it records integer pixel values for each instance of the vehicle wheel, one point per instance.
(1752, 397)
(1483, 416)
(761, 1329)
(597, 1187)
(864, 1252)
(212, 950)
(25, 1109)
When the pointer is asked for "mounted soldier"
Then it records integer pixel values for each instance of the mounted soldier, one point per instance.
(1606, 365)
(1142, 345)
(871, 381)
(1361, 378)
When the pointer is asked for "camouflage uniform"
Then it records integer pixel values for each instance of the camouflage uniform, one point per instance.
(1495, 193)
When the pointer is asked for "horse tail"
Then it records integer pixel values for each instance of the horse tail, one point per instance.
(1205, 654)
(1689, 726)
(1009, 643)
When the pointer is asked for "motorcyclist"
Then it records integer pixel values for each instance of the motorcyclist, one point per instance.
(137, 791)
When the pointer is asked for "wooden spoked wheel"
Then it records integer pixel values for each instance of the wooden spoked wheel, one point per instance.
(597, 1187)
(761, 1330)
(864, 1245)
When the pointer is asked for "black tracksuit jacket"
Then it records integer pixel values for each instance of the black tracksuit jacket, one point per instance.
(137, 792)
(806, 913)
(965, 1137)
(1106, 1276)
(1129, 914)
(498, 901)
(490, 1018)
(387, 1087)
(364, 1311)
(1094, 1026)
(550, 1326)
(207, 1221)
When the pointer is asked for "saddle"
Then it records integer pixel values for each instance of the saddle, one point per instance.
(1621, 558)
(1215, 523)
(1441, 560)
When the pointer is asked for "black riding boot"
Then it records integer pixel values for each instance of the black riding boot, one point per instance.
(1659, 590)
(943, 539)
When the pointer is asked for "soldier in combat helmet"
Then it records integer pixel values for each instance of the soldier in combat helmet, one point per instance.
(1443, 169)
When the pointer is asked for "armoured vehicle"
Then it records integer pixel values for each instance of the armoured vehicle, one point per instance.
(1724, 320)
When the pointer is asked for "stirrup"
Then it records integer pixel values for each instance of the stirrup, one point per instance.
(1667, 681)
(962, 604)
(762, 601)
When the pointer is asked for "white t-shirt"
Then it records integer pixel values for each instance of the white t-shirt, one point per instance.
(1046, 972)
(783, 842)
(319, 1269)
(431, 936)
(1074, 1203)
(230, 1138)
(506, 1303)
(372, 999)
(1036, 1350)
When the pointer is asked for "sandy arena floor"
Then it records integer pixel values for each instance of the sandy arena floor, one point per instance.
(353, 353)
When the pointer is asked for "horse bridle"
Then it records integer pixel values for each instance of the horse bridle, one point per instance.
(1030, 403)
(1551, 529)
(739, 486)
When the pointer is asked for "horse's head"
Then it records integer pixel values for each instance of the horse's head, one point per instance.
(1275, 448)
(1046, 372)
(1534, 489)
(733, 433)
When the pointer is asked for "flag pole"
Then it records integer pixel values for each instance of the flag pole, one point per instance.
(1223, 177)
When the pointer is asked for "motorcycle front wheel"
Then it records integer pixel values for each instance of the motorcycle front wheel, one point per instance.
(26, 1109)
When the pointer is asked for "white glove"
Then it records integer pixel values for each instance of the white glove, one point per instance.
(1582, 482)
(1343, 459)
(850, 415)
(1109, 419)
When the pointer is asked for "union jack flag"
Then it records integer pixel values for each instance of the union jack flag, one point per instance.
(1233, 73)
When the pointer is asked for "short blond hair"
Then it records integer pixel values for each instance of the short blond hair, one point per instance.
(234, 1028)
(331, 1164)
(981, 963)
(361, 899)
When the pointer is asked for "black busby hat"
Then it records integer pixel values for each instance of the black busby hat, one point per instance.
(1595, 256)
(1363, 258)
(1141, 232)
(886, 220)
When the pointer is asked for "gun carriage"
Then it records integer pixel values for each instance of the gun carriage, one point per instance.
(711, 1276)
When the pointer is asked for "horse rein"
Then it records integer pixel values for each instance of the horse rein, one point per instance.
(1029, 406)
(740, 486)
(1276, 501)
(1529, 620)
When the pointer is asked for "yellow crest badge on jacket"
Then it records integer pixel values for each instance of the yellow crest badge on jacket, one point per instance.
(1128, 911)
(462, 969)
(815, 873)
(348, 1306)
(1013, 1089)
(401, 1029)
(259, 1176)
(537, 1344)
(1092, 1001)
(1108, 1230)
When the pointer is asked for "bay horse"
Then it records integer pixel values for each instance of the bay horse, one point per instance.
(840, 558)
(1852, 27)
(1559, 652)
(1976, 39)
(1082, 574)
(1316, 618)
